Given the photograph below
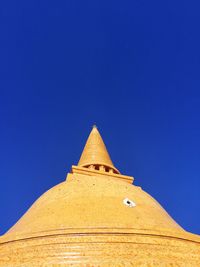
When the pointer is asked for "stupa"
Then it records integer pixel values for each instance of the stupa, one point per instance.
(97, 217)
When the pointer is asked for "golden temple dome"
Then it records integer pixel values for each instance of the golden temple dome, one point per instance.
(97, 217)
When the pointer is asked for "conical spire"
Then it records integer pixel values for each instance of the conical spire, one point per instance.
(95, 154)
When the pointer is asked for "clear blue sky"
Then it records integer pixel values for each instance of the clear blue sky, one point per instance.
(131, 67)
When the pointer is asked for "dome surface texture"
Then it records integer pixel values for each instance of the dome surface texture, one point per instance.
(97, 218)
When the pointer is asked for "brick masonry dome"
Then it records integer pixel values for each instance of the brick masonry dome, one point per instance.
(97, 218)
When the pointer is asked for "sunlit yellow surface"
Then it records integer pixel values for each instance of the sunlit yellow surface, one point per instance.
(97, 218)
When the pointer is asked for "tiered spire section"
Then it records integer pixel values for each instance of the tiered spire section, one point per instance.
(95, 155)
